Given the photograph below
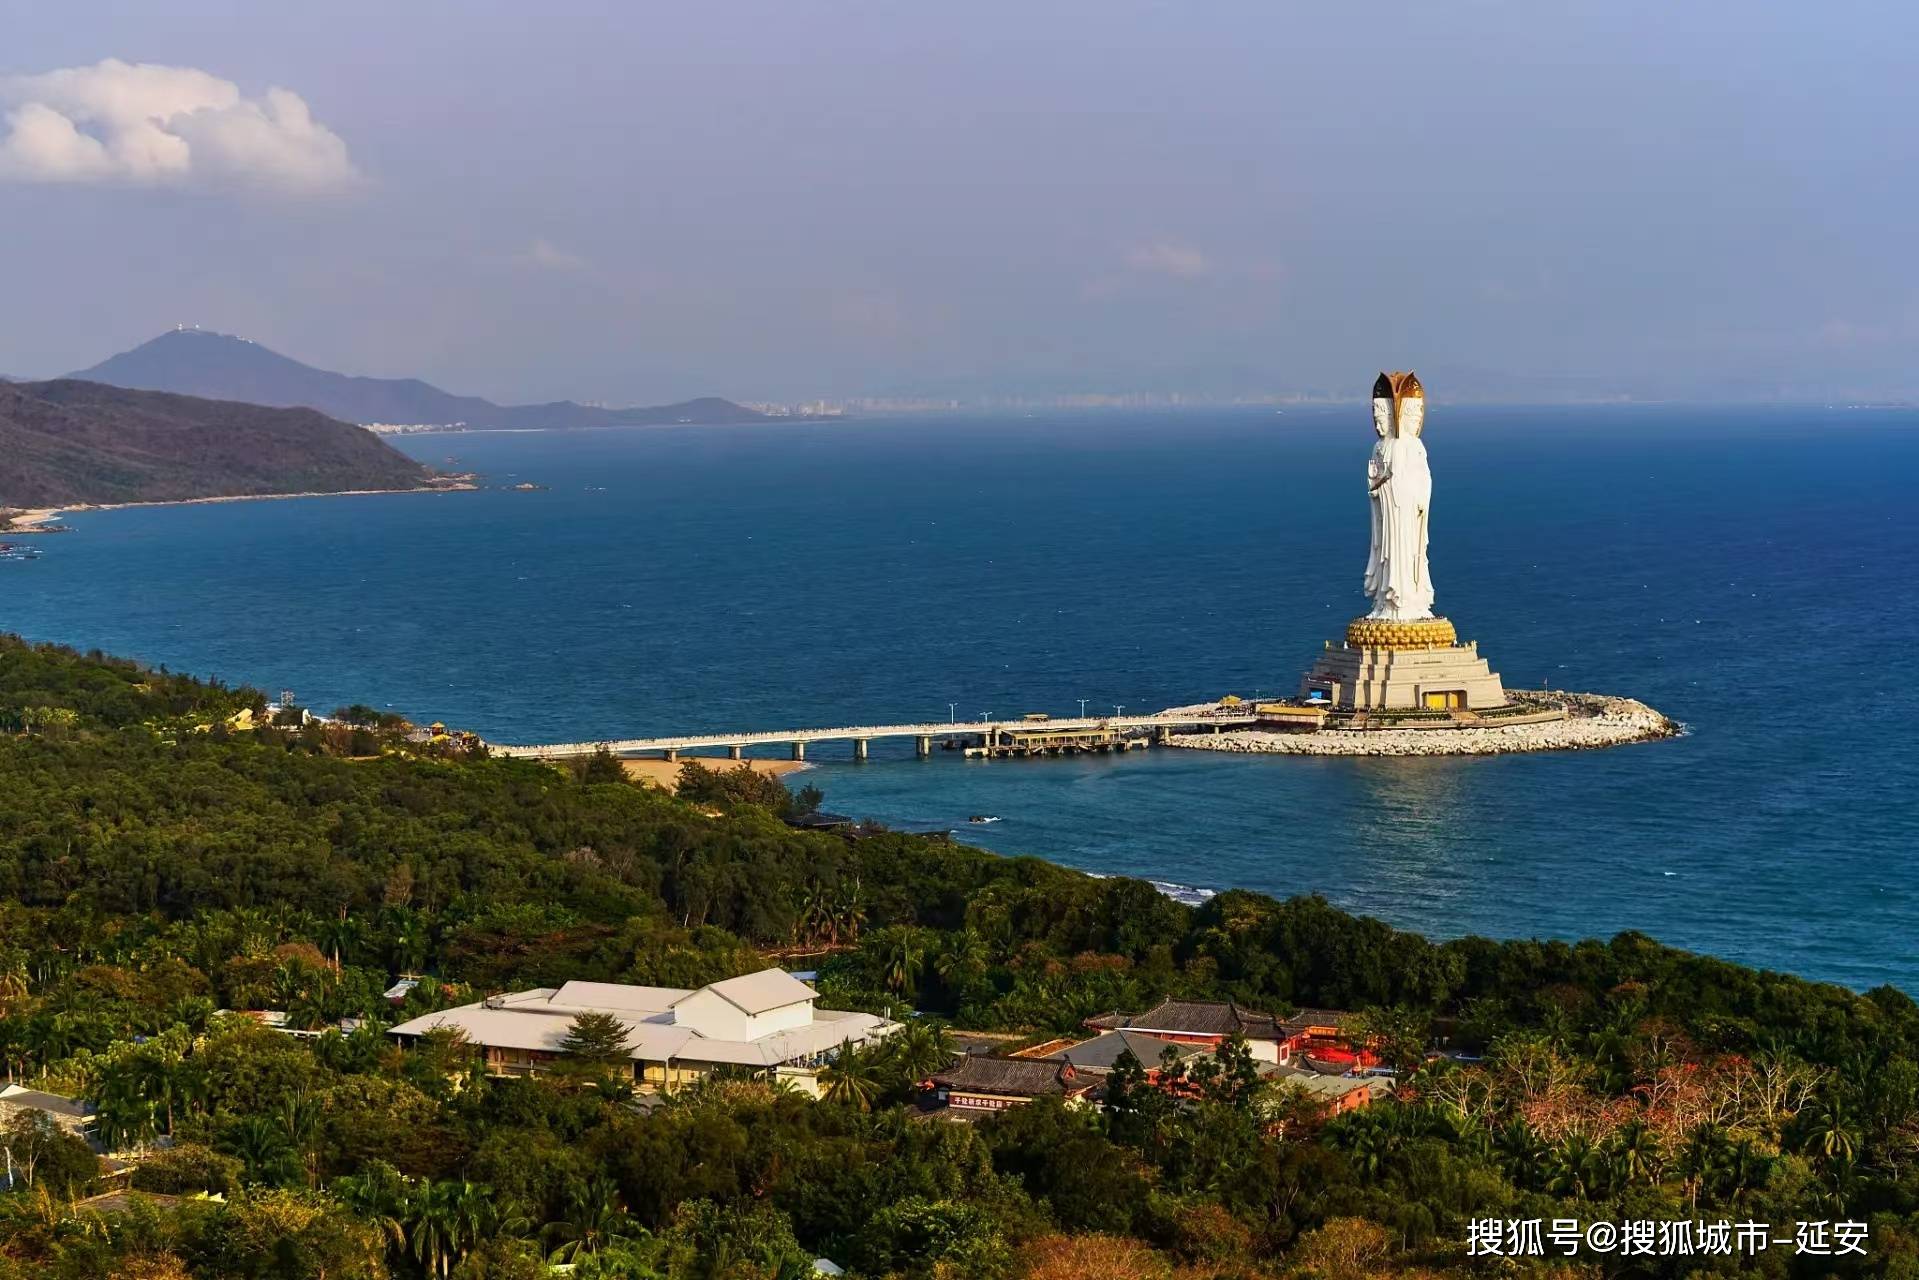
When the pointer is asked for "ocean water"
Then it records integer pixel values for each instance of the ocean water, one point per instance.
(1750, 572)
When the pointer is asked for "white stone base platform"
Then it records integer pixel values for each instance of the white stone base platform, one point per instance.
(1563, 722)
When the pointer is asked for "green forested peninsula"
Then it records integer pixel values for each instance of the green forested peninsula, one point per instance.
(68, 442)
(159, 863)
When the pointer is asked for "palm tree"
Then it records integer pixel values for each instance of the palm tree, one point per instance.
(901, 953)
(595, 1219)
(919, 1049)
(1581, 1168)
(337, 937)
(473, 1214)
(1635, 1149)
(432, 1226)
(380, 1196)
(260, 1145)
(1703, 1160)
(13, 987)
(815, 921)
(1830, 1134)
(122, 1118)
(848, 913)
(1520, 1153)
(1366, 1143)
(300, 1122)
(963, 959)
(853, 1077)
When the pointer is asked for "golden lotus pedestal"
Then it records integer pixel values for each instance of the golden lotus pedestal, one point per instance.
(1415, 665)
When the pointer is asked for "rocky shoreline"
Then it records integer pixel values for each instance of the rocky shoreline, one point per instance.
(1591, 720)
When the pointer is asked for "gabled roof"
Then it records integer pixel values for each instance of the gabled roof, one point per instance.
(1013, 1077)
(761, 992)
(1197, 1018)
(1103, 1051)
(34, 1100)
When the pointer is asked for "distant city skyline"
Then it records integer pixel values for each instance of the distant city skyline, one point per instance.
(997, 204)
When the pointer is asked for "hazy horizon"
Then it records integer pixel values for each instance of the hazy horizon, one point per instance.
(778, 202)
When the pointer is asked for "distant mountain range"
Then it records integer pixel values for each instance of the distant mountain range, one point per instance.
(68, 442)
(217, 366)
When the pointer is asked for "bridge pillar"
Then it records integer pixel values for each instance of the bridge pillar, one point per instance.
(671, 753)
(799, 751)
(923, 746)
(736, 752)
(859, 749)
(1163, 733)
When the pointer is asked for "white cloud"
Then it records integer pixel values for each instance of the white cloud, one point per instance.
(1169, 258)
(544, 253)
(149, 124)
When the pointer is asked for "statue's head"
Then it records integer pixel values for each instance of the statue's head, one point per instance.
(1399, 404)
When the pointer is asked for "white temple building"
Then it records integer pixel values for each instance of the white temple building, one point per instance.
(765, 1022)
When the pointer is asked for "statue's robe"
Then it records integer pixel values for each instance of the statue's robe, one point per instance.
(1397, 577)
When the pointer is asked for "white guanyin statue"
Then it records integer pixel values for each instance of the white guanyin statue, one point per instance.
(1401, 488)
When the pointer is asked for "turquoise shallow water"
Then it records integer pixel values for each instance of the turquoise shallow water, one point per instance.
(1750, 573)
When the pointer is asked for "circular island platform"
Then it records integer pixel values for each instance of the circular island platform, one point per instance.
(1533, 720)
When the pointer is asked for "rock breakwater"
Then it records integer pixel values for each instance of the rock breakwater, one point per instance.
(1589, 720)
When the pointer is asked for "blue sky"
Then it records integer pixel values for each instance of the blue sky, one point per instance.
(637, 202)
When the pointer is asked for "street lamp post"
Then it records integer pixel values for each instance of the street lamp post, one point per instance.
(952, 713)
(1117, 708)
(1082, 707)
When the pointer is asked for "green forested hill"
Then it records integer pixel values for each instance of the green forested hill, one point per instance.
(156, 866)
(70, 442)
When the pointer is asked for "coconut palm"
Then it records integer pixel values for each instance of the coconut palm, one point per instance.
(901, 954)
(379, 1195)
(300, 1122)
(1635, 1150)
(337, 938)
(919, 1049)
(122, 1118)
(1703, 1160)
(261, 1147)
(595, 1219)
(1578, 1168)
(853, 1077)
(1520, 1153)
(963, 959)
(849, 913)
(432, 1226)
(1830, 1133)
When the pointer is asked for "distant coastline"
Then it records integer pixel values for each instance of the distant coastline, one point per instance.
(36, 519)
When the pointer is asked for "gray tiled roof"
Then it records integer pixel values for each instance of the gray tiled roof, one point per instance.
(1102, 1051)
(51, 1103)
(1014, 1077)
(1202, 1018)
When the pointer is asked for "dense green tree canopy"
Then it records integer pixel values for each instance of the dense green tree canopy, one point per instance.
(160, 863)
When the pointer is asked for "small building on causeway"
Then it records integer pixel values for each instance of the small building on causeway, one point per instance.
(978, 1084)
(765, 1023)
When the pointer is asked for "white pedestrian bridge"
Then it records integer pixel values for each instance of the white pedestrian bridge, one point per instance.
(735, 744)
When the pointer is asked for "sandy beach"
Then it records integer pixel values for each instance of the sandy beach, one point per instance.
(34, 519)
(665, 774)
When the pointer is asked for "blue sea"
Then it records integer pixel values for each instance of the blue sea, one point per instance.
(1750, 572)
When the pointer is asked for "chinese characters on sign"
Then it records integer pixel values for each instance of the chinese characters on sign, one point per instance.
(1566, 1237)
